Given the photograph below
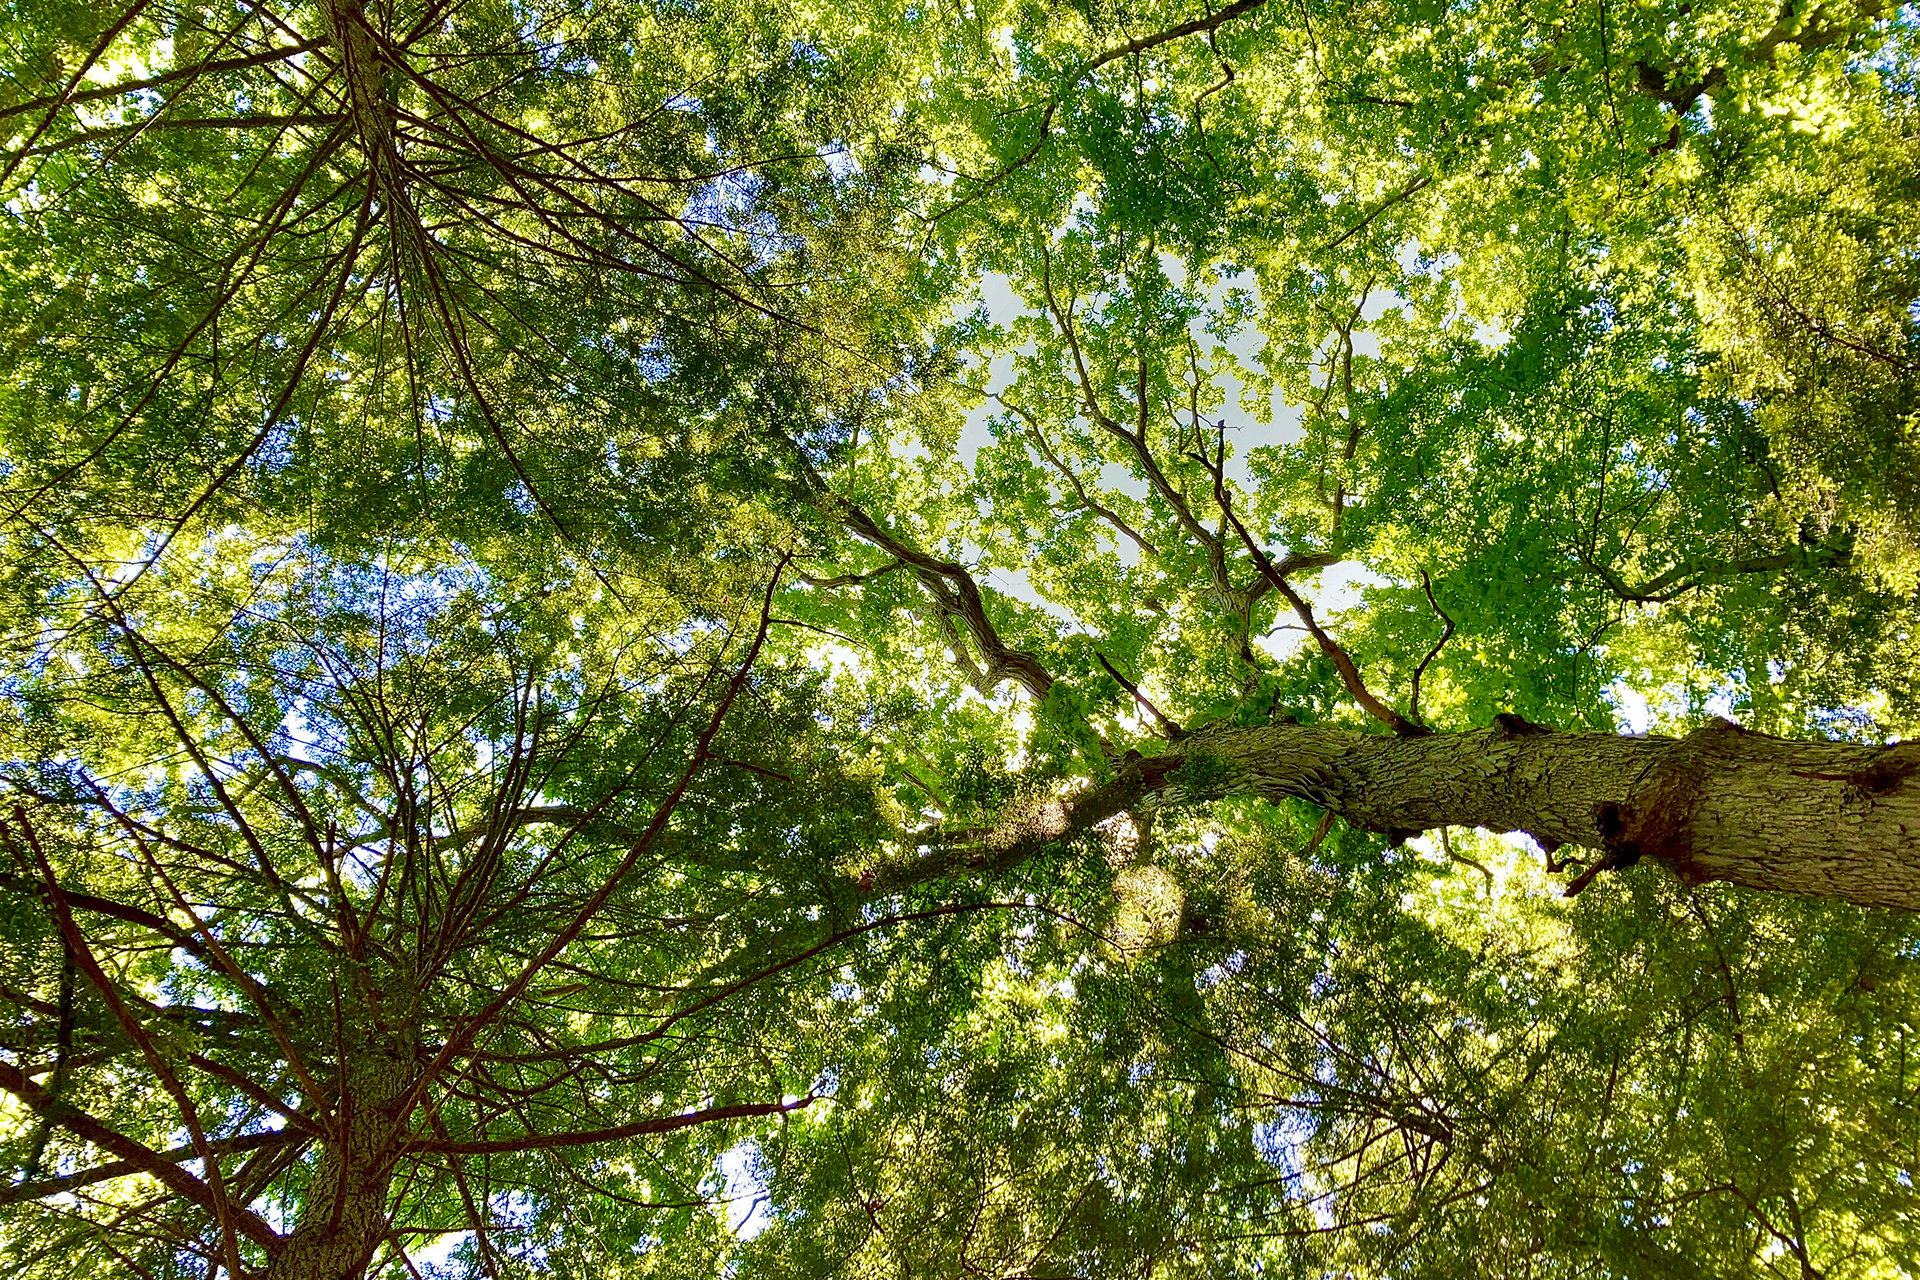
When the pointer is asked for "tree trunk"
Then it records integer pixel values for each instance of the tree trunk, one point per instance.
(344, 1215)
(1824, 818)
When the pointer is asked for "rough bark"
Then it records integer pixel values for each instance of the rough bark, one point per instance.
(344, 1218)
(1829, 819)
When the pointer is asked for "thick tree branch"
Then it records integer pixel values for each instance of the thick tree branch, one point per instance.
(1719, 804)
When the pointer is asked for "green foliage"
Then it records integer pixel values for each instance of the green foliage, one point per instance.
(527, 532)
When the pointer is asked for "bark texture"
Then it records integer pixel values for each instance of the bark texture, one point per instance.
(344, 1217)
(1824, 818)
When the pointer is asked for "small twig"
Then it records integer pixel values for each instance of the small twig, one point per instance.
(1319, 834)
(1413, 699)
(1605, 862)
(1446, 846)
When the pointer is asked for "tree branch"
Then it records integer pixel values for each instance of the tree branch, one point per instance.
(1341, 659)
(160, 1165)
(587, 1137)
(1172, 730)
(21, 1191)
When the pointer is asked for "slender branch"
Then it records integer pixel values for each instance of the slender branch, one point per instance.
(1135, 444)
(1172, 730)
(87, 63)
(849, 579)
(21, 1191)
(194, 71)
(587, 1137)
(1414, 185)
(196, 122)
(1413, 697)
(1341, 659)
(1209, 23)
(1691, 575)
(174, 935)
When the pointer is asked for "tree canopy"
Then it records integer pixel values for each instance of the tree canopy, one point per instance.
(665, 637)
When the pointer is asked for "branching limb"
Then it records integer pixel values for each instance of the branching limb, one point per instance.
(1066, 473)
(462, 1036)
(1135, 442)
(1341, 659)
(1691, 575)
(952, 590)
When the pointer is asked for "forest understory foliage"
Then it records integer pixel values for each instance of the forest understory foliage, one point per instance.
(648, 638)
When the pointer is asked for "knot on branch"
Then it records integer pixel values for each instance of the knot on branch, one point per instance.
(1654, 820)
(1507, 725)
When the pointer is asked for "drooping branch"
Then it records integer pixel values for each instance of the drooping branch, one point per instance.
(92, 58)
(265, 1140)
